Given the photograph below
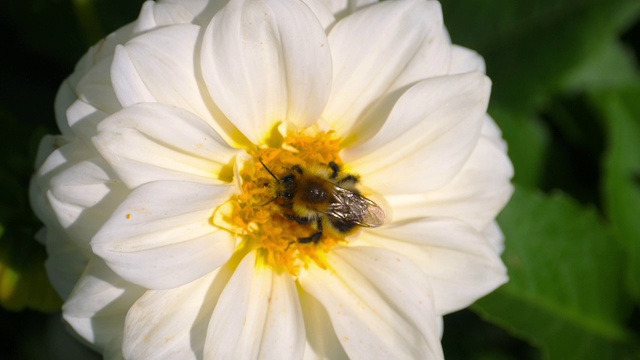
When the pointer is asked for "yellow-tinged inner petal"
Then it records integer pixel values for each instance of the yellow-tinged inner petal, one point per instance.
(262, 218)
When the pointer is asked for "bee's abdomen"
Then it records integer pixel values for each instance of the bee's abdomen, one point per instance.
(341, 225)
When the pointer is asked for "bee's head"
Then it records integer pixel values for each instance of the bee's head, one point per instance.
(285, 187)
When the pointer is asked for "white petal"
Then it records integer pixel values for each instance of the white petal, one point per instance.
(160, 66)
(128, 85)
(322, 342)
(459, 262)
(83, 196)
(494, 235)
(49, 144)
(427, 138)
(492, 132)
(40, 235)
(377, 51)
(99, 303)
(475, 195)
(102, 50)
(39, 183)
(465, 60)
(83, 119)
(163, 316)
(258, 316)
(96, 89)
(65, 97)
(169, 12)
(156, 14)
(67, 154)
(40, 204)
(283, 333)
(203, 10)
(149, 142)
(265, 62)
(342, 8)
(170, 324)
(146, 19)
(65, 260)
(90, 81)
(379, 302)
(163, 13)
(321, 11)
(161, 236)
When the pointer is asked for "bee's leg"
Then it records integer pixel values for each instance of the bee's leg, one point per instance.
(335, 169)
(348, 181)
(315, 237)
(305, 220)
(298, 219)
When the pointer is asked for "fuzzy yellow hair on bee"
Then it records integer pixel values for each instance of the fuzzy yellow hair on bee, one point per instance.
(326, 199)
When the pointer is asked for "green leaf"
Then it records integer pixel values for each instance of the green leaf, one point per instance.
(610, 67)
(621, 110)
(23, 278)
(528, 140)
(531, 46)
(565, 292)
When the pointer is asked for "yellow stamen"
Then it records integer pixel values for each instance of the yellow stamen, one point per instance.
(259, 220)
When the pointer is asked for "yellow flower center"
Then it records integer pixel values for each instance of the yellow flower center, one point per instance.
(264, 219)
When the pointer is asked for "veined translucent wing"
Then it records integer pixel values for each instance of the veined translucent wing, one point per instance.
(351, 207)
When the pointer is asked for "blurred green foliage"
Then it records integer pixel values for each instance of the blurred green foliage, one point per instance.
(620, 110)
(567, 296)
(566, 93)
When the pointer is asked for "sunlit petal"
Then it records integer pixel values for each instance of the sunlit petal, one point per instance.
(322, 342)
(170, 324)
(428, 136)
(396, 320)
(408, 44)
(99, 303)
(258, 315)
(476, 194)
(161, 235)
(459, 262)
(267, 62)
(149, 142)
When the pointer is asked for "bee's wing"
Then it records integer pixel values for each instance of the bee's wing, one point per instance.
(352, 207)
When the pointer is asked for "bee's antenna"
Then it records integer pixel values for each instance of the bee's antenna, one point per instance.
(270, 201)
(274, 176)
(265, 166)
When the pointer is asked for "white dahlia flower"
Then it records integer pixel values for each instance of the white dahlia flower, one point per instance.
(273, 179)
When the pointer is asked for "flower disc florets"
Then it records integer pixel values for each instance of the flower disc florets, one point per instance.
(258, 217)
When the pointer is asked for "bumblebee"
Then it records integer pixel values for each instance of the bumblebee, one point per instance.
(324, 198)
